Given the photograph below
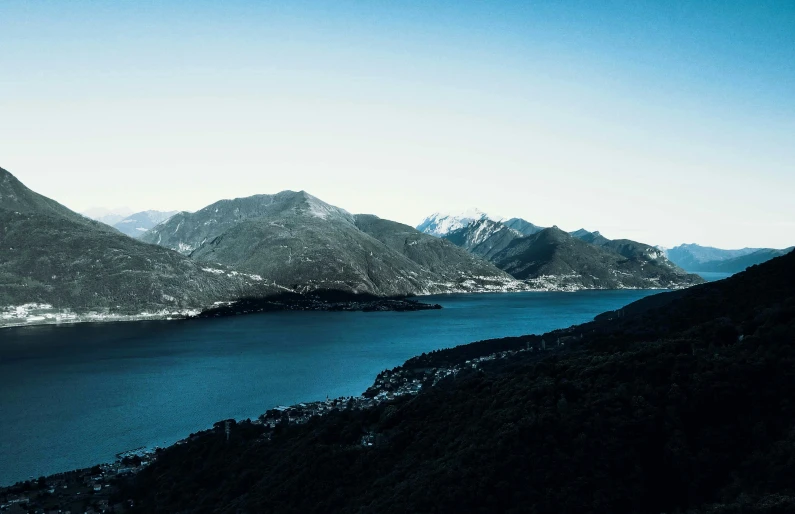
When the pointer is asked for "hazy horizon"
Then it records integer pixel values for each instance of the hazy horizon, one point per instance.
(665, 124)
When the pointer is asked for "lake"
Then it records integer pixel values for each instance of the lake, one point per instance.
(74, 396)
(712, 276)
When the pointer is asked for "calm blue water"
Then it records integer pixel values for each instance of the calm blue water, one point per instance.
(712, 276)
(74, 396)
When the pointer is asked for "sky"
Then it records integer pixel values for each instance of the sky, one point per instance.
(664, 122)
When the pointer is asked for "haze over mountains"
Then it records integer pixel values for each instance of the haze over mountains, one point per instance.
(553, 259)
(108, 216)
(136, 225)
(133, 224)
(693, 257)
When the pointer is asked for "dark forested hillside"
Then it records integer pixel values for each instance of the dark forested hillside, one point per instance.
(678, 403)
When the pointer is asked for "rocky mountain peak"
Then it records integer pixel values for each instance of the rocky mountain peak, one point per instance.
(440, 224)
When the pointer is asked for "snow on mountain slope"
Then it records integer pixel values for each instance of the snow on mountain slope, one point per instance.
(440, 224)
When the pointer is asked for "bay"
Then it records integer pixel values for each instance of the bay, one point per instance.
(74, 396)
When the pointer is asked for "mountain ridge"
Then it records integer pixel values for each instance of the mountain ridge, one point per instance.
(59, 266)
(551, 259)
(299, 240)
(697, 258)
(136, 224)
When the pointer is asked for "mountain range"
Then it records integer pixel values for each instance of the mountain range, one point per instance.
(549, 258)
(693, 257)
(306, 244)
(136, 225)
(106, 215)
(58, 265)
(62, 265)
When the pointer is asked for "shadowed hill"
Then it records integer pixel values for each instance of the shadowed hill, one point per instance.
(664, 408)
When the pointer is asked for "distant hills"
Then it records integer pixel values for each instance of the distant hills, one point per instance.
(696, 258)
(60, 265)
(137, 224)
(306, 244)
(108, 216)
(551, 259)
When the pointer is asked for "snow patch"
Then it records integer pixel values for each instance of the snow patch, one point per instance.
(442, 223)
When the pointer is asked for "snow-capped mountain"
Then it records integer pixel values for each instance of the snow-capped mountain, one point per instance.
(555, 260)
(139, 223)
(484, 238)
(440, 224)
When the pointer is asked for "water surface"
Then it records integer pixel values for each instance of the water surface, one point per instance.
(73, 396)
(712, 276)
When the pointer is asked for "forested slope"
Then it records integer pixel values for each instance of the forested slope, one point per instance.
(677, 403)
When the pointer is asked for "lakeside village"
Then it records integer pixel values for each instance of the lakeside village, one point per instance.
(91, 490)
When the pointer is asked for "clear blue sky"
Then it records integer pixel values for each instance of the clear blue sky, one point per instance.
(665, 122)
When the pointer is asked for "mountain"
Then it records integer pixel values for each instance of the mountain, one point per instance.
(693, 257)
(555, 259)
(552, 259)
(595, 238)
(737, 264)
(440, 224)
(18, 199)
(680, 402)
(453, 264)
(137, 224)
(484, 238)
(58, 265)
(522, 226)
(301, 241)
(108, 216)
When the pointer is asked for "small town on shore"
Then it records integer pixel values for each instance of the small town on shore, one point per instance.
(92, 490)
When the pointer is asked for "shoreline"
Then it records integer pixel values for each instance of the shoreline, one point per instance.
(50, 317)
(405, 380)
(46, 316)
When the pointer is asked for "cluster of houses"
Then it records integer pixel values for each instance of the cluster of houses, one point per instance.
(389, 385)
(85, 491)
(89, 490)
